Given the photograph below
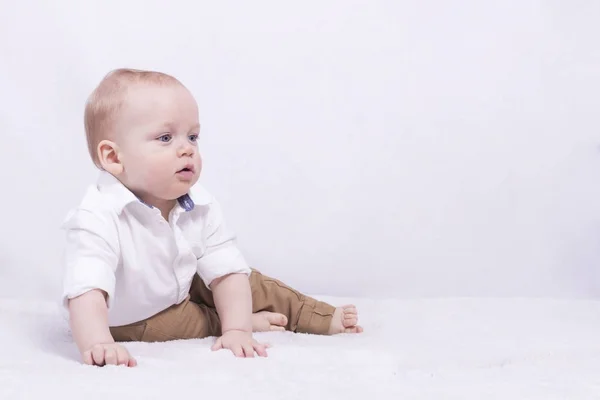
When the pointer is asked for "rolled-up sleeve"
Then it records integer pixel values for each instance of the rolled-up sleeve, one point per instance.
(222, 255)
(90, 256)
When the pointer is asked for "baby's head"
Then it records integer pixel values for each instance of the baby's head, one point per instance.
(142, 127)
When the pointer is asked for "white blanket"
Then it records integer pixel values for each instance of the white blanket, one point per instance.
(411, 349)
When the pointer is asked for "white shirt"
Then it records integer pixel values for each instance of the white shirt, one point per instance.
(144, 263)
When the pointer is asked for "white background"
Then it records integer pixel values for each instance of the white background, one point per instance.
(365, 148)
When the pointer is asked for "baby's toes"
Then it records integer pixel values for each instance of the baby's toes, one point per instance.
(353, 329)
(275, 328)
(350, 309)
(349, 320)
(275, 319)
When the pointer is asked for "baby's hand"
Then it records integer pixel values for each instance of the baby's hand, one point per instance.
(108, 354)
(241, 343)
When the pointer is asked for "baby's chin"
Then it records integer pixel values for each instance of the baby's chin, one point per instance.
(179, 190)
(168, 190)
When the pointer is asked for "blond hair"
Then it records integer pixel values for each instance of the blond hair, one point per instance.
(107, 99)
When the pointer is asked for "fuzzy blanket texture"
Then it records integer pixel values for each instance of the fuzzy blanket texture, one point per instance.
(411, 349)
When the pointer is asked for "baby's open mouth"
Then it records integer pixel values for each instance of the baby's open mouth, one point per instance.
(187, 168)
(186, 173)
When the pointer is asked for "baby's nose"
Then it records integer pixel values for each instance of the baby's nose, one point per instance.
(185, 150)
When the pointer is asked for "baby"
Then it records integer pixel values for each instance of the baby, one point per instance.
(149, 256)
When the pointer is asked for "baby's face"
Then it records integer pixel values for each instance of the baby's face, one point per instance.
(157, 134)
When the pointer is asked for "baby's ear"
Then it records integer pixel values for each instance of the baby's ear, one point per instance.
(108, 156)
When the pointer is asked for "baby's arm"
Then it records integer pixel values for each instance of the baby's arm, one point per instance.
(90, 259)
(89, 320)
(89, 323)
(223, 268)
(233, 300)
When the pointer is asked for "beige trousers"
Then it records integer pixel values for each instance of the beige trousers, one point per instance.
(196, 317)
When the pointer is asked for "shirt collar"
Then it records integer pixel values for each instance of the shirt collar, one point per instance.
(121, 196)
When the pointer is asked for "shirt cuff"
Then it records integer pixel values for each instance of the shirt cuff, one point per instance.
(87, 275)
(224, 261)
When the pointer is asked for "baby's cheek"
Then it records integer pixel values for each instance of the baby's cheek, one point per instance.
(155, 172)
(159, 165)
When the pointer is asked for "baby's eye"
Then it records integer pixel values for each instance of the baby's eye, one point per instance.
(165, 138)
(193, 138)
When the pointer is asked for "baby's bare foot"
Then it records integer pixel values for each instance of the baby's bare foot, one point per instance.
(344, 320)
(265, 321)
